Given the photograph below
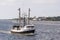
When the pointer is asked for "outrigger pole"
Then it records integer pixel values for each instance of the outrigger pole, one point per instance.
(19, 16)
(29, 16)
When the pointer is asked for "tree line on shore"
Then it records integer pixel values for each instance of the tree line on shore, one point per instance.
(42, 18)
(53, 18)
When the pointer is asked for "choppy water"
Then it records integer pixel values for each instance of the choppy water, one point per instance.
(45, 30)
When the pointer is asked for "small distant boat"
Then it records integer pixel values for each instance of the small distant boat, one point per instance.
(23, 29)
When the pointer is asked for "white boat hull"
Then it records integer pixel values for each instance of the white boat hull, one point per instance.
(25, 29)
(28, 31)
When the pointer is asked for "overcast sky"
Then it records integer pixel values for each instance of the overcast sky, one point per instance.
(9, 8)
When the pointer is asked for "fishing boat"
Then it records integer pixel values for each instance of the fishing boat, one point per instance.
(27, 28)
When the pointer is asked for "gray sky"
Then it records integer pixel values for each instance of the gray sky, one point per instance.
(9, 8)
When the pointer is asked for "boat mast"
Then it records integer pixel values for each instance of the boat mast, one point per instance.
(19, 17)
(29, 16)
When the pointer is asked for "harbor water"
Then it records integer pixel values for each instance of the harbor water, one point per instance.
(45, 30)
